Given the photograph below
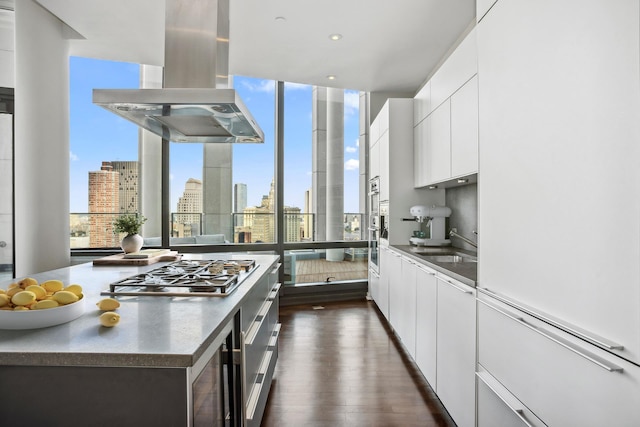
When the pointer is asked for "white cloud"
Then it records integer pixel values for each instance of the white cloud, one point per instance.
(73, 157)
(171, 176)
(357, 142)
(351, 164)
(268, 86)
(296, 86)
(351, 102)
(351, 149)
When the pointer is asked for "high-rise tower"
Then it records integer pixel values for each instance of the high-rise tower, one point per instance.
(239, 202)
(190, 208)
(103, 206)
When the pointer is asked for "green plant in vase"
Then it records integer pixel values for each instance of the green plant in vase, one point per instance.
(130, 224)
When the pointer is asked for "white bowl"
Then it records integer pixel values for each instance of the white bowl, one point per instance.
(32, 319)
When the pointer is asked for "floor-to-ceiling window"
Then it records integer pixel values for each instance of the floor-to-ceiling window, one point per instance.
(224, 197)
(103, 154)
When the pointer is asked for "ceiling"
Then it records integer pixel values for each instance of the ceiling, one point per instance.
(387, 46)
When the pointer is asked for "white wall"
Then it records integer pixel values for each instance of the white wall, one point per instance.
(6, 152)
(41, 141)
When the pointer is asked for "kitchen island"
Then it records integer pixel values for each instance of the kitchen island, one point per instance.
(145, 370)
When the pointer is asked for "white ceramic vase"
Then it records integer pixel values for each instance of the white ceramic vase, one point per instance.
(132, 243)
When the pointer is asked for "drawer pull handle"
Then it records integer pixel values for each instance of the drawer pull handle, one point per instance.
(464, 291)
(599, 341)
(518, 412)
(597, 360)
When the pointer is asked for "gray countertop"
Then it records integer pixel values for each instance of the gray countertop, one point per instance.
(465, 272)
(153, 331)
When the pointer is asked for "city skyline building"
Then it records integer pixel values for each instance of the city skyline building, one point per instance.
(103, 206)
(128, 185)
(239, 202)
(187, 221)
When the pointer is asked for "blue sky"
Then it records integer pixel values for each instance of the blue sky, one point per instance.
(97, 135)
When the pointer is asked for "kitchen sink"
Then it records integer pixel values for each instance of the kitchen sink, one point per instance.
(449, 258)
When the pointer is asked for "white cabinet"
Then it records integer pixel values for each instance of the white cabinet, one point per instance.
(563, 380)
(438, 145)
(464, 129)
(385, 176)
(426, 322)
(459, 67)
(393, 271)
(396, 161)
(456, 349)
(374, 285)
(560, 187)
(407, 296)
(422, 103)
(446, 141)
(497, 407)
(420, 159)
(482, 7)
(374, 160)
(382, 294)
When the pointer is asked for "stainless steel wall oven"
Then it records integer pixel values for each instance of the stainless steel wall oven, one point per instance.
(374, 223)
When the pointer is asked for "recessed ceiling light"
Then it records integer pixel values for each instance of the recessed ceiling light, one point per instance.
(335, 37)
(280, 18)
(331, 77)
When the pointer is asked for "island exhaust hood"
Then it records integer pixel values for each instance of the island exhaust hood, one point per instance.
(184, 114)
(194, 104)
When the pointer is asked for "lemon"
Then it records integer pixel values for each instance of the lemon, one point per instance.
(76, 289)
(4, 300)
(65, 297)
(108, 304)
(47, 303)
(27, 281)
(109, 319)
(52, 285)
(20, 308)
(38, 290)
(23, 298)
(12, 291)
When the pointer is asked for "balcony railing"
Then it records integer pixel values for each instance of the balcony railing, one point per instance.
(95, 230)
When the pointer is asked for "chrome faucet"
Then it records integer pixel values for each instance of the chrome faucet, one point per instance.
(454, 233)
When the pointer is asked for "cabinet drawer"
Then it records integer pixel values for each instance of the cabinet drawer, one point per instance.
(499, 408)
(560, 378)
(253, 303)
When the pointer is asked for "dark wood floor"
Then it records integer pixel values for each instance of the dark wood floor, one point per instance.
(340, 366)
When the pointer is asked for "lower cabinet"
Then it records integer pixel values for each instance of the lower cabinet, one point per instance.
(259, 346)
(499, 408)
(426, 322)
(456, 349)
(407, 295)
(382, 295)
(393, 272)
(561, 379)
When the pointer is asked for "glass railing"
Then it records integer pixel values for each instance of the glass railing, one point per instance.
(95, 230)
(306, 266)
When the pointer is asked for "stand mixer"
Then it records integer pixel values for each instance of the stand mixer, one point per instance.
(434, 218)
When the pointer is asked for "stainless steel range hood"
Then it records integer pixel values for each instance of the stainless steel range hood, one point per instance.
(184, 114)
(195, 104)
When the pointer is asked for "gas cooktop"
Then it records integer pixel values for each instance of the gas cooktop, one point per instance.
(206, 278)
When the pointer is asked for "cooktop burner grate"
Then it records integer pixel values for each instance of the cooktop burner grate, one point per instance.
(211, 278)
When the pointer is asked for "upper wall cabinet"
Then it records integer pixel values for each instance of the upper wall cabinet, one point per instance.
(446, 119)
(482, 7)
(459, 67)
(464, 129)
(394, 153)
